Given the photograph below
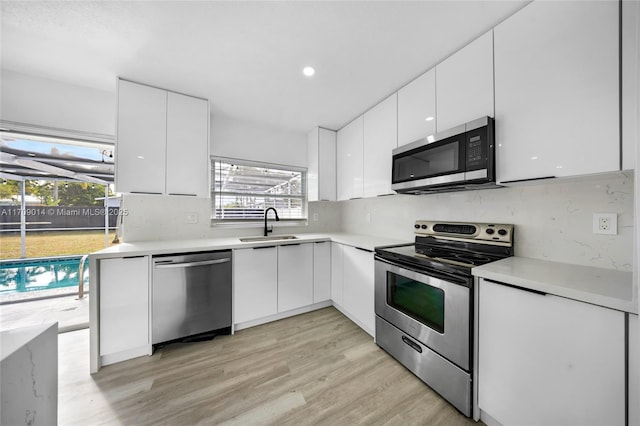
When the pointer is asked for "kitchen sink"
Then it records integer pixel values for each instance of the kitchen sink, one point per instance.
(269, 238)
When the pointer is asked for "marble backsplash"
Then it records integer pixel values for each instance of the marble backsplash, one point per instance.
(553, 219)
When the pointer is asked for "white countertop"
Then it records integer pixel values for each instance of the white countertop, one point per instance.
(14, 339)
(604, 287)
(366, 242)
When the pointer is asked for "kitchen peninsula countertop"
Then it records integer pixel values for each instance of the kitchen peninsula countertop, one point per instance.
(609, 288)
(367, 242)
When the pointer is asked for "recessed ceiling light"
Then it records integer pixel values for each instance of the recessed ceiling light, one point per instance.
(308, 71)
(428, 119)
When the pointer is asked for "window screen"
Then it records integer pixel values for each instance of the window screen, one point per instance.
(242, 190)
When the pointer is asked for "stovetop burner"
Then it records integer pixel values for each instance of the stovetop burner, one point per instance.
(453, 247)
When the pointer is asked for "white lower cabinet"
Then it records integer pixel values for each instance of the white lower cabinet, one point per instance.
(337, 272)
(548, 360)
(358, 286)
(124, 308)
(255, 283)
(295, 276)
(634, 370)
(321, 272)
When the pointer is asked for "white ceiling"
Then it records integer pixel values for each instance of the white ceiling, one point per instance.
(246, 57)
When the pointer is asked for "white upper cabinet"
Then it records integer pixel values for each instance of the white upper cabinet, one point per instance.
(187, 145)
(380, 138)
(141, 138)
(630, 81)
(557, 90)
(464, 84)
(162, 144)
(349, 158)
(417, 109)
(321, 164)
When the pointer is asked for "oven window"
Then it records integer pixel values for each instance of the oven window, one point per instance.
(420, 301)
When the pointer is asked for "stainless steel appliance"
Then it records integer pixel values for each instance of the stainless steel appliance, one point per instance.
(191, 295)
(458, 159)
(424, 301)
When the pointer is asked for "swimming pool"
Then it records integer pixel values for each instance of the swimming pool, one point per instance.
(42, 273)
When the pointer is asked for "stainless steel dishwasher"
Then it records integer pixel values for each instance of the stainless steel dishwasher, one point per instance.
(191, 295)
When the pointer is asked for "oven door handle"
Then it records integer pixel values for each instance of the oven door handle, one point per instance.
(442, 275)
(413, 345)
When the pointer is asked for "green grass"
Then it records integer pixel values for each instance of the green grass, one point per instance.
(58, 243)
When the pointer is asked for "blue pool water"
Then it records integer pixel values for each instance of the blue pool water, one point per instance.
(25, 275)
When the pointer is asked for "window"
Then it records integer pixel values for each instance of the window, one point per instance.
(242, 190)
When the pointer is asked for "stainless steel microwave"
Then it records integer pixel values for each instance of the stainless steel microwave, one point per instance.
(462, 158)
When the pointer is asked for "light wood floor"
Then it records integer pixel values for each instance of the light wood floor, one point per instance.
(316, 368)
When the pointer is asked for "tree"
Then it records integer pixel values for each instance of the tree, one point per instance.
(44, 190)
(9, 189)
(80, 194)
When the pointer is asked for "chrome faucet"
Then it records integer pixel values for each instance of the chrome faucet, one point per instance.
(266, 230)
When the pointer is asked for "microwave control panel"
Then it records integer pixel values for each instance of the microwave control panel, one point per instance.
(476, 149)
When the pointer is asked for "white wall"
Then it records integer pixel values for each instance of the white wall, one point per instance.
(553, 221)
(245, 140)
(38, 101)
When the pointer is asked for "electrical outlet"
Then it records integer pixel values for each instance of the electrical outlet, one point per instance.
(605, 223)
(368, 217)
(315, 217)
(191, 217)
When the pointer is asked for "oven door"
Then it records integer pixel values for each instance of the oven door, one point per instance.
(431, 310)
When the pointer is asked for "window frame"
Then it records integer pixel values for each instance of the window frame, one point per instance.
(247, 223)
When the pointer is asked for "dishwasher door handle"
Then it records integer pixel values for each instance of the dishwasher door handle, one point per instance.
(160, 265)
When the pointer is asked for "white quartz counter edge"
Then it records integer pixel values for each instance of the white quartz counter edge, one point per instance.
(603, 287)
(366, 242)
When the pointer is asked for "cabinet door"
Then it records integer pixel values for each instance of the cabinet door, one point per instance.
(337, 271)
(630, 84)
(556, 90)
(358, 293)
(255, 283)
(141, 138)
(417, 109)
(321, 272)
(321, 165)
(548, 360)
(380, 138)
(295, 276)
(349, 158)
(634, 370)
(464, 84)
(187, 146)
(313, 162)
(124, 304)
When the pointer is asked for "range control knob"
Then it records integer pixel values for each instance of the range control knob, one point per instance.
(490, 231)
(502, 232)
(424, 226)
(416, 226)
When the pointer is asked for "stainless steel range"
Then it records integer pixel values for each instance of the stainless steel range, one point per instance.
(424, 301)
